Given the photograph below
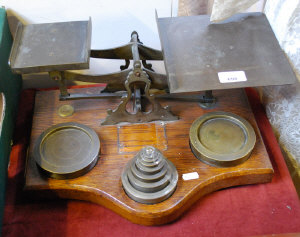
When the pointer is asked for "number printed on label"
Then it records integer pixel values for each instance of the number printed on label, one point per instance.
(233, 76)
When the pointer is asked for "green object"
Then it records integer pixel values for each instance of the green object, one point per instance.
(10, 85)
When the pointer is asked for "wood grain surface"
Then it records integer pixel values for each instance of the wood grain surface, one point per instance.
(119, 144)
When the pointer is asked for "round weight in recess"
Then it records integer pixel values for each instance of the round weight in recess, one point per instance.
(65, 111)
(67, 150)
(222, 139)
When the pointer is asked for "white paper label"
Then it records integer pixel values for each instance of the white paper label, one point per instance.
(231, 77)
(189, 176)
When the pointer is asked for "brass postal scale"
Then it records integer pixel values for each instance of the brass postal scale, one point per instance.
(149, 145)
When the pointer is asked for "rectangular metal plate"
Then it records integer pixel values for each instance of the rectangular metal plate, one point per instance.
(150, 134)
(195, 51)
(51, 47)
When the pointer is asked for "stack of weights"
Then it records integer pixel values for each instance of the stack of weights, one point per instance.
(149, 177)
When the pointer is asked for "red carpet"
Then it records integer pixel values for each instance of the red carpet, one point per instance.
(239, 211)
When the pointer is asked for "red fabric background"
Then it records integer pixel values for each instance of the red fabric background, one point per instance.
(239, 211)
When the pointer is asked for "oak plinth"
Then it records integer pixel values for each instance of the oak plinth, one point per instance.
(119, 144)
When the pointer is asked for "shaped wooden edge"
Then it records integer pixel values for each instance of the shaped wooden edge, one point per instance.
(154, 216)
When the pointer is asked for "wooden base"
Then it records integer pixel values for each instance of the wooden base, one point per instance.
(119, 143)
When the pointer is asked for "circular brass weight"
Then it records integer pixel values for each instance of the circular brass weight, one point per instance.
(222, 139)
(149, 177)
(67, 150)
(65, 110)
